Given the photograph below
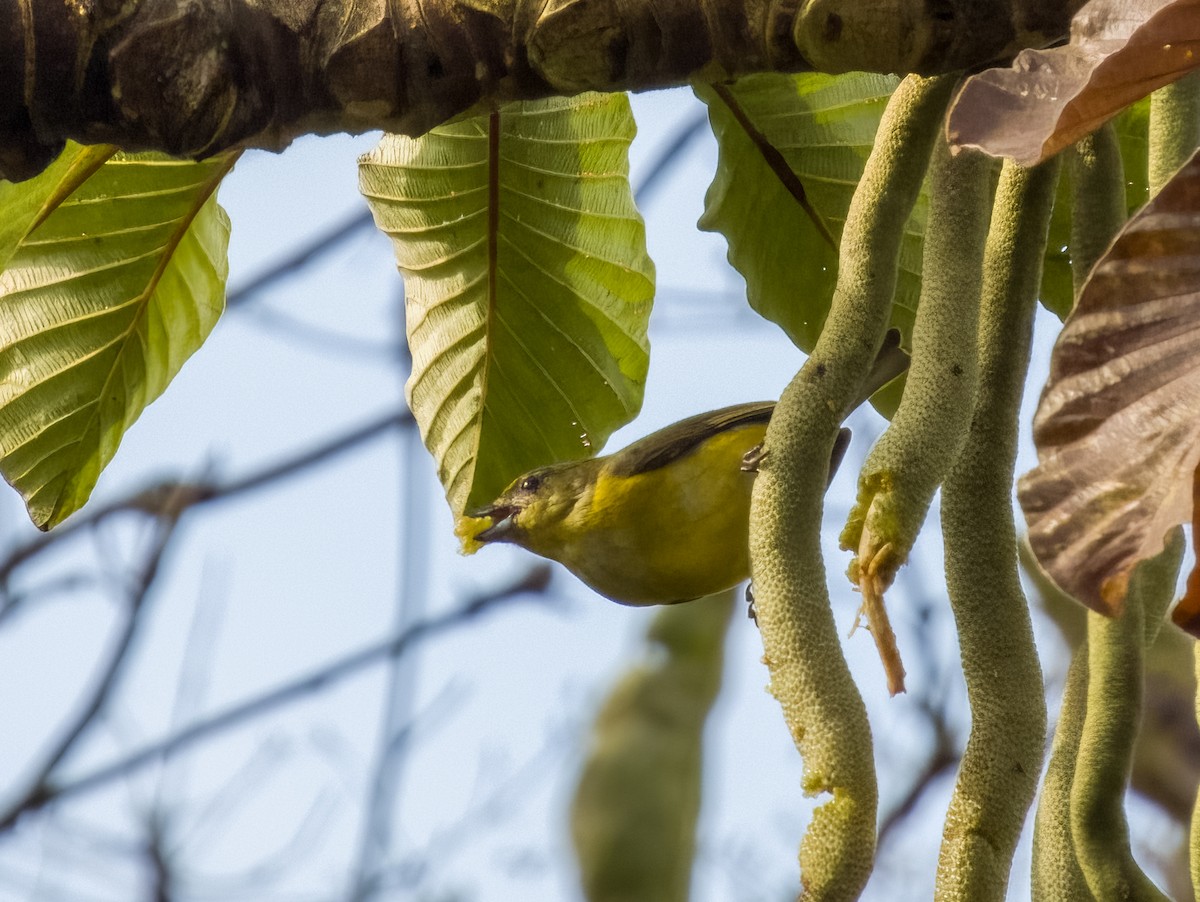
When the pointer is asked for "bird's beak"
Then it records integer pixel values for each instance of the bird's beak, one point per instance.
(504, 525)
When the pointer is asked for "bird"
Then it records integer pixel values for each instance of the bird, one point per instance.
(662, 521)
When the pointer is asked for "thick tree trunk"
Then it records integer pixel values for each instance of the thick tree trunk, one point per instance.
(193, 77)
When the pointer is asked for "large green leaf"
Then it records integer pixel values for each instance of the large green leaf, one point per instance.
(99, 308)
(824, 127)
(527, 282)
(23, 205)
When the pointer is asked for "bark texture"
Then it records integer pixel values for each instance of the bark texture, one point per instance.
(194, 77)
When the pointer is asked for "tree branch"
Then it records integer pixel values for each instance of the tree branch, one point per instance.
(192, 79)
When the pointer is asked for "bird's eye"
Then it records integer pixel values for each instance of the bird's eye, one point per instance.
(531, 483)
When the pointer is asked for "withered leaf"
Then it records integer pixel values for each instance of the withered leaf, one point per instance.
(1120, 51)
(1118, 425)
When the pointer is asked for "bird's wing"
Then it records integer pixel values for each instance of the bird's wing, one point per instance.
(679, 439)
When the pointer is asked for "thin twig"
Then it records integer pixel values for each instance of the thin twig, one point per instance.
(158, 864)
(933, 681)
(388, 770)
(688, 132)
(191, 686)
(534, 582)
(171, 497)
(944, 757)
(295, 331)
(40, 790)
(305, 255)
(502, 799)
(335, 236)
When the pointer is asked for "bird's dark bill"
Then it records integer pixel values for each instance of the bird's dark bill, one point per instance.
(503, 525)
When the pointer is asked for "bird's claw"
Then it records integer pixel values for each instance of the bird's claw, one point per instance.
(752, 458)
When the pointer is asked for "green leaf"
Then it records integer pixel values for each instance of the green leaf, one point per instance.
(25, 204)
(528, 287)
(1058, 288)
(824, 126)
(99, 308)
(1058, 293)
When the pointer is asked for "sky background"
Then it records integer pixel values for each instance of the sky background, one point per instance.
(271, 585)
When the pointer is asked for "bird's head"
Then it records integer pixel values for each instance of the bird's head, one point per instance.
(534, 507)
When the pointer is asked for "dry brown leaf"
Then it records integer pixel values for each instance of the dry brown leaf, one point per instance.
(1118, 424)
(1120, 51)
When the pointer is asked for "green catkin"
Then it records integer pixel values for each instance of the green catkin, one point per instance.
(1056, 875)
(1097, 199)
(633, 818)
(1098, 212)
(809, 676)
(1115, 650)
(1000, 767)
(1174, 128)
(1174, 136)
(909, 462)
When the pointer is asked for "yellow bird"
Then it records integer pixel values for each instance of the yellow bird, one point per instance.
(663, 520)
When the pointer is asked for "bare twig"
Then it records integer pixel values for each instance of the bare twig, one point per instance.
(688, 132)
(295, 331)
(192, 683)
(313, 826)
(933, 681)
(387, 777)
(318, 455)
(158, 863)
(943, 757)
(501, 799)
(40, 790)
(303, 256)
(63, 584)
(171, 497)
(336, 235)
(534, 582)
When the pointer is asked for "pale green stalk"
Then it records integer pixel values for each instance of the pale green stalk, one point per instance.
(1174, 128)
(809, 675)
(1002, 761)
(1114, 695)
(908, 463)
(1057, 876)
(1097, 199)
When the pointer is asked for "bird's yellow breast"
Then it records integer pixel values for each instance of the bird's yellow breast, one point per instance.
(669, 534)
